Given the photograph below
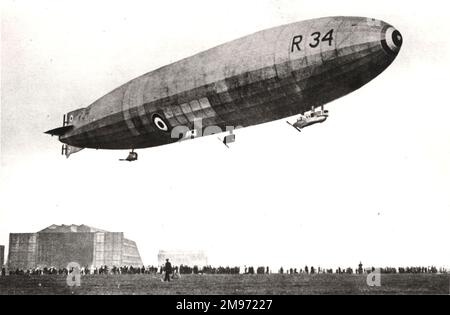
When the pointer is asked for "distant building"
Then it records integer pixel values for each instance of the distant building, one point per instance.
(59, 245)
(183, 257)
(2, 255)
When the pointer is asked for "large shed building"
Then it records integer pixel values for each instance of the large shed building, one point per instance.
(183, 257)
(2, 255)
(58, 245)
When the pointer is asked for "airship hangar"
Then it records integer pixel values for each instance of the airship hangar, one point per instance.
(183, 257)
(2, 255)
(58, 245)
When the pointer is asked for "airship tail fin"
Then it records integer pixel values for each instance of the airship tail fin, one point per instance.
(59, 131)
(67, 150)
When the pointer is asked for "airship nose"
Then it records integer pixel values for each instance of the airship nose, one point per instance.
(391, 40)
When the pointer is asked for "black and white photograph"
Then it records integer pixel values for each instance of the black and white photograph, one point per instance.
(224, 153)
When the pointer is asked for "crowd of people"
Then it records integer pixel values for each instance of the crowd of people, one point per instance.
(183, 269)
(349, 270)
(431, 269)
(102, 270)
(208, 270)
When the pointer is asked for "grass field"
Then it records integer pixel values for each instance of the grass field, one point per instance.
(229, 284)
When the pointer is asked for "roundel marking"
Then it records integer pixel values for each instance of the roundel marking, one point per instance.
(391, 40)
(160, 123)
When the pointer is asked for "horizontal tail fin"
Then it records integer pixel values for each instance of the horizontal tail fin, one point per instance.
(59, 131)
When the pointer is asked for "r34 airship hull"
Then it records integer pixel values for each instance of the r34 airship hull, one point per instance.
(272, 74)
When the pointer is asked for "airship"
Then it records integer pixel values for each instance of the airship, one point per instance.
(274, 74)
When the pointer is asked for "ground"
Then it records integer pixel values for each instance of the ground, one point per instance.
(229, 284)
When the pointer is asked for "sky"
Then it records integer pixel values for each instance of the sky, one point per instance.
(370, 184)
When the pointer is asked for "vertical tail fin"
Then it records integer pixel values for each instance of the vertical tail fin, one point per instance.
(67, 150)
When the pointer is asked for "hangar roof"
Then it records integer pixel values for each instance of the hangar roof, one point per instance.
(70, 229)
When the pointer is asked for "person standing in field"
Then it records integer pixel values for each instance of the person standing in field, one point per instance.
(167, 270)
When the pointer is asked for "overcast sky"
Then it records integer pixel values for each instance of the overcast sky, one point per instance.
(371, 184)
